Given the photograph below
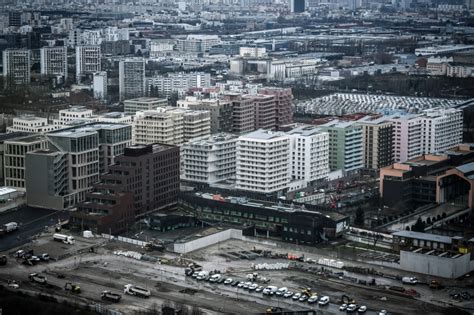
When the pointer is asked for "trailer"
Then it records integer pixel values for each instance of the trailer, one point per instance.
(136, 291)
(109, 296)
(34, 277)
(66, 239)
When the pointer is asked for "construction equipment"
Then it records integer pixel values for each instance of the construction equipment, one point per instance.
(109, 296)
(308, 292)
(73, 288)
(154, 245)
(435, 285)
(345, 299)
(273, 310)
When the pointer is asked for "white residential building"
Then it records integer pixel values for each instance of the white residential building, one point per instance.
(53, 61)
(170, 125)
(198, 43)
(263, 158)
(143, 103)
(88, 59)
(132, 78)
(209, 159)
(442, 129)
(252, 52)
(100, 85)
(309, 150)
(166, 85)
(31, 124)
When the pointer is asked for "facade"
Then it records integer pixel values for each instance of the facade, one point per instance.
(15, 151)
(53, 61)
(88, 60)
(263, 162)
(377, 135)
(100, 85)
(243, 113)
(16, 67)
(265, 110)
(132, 78)
(289, 223)
(143, 103)
(59, 177)
(431, 178)
(198, 43)
(309, 150)
(433, 131)
(345, 145)
(284, 104)
(169, 125)
(166, 85)
(210, 159)
(31, 124)
(220, 111)
(143, 180)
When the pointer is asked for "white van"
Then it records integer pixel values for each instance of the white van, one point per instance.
(270, 290)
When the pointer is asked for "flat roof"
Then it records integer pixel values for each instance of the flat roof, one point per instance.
(26, 139)
(424, 236)
(263, 134)
(147, 100)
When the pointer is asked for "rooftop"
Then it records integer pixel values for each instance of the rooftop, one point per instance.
(262, 134)
(147, 100)
(306, 130)
(424, 236)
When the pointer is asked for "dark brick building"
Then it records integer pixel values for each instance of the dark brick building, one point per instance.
(143, 180)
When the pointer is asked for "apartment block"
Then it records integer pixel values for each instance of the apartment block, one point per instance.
(88, 60)
(309, 154)
(60, 176)
(180, 83)
(220, 111)
(377, 135)
(284, 104)
(143, 180)
(16, 67)
(209, 159)
(345, 145)
(53, 61)
(15, 151)
(132, 78)
(262, 162)
(99, 83)
(265, 110)
(143, 103)
(170, 125)
(243, 113)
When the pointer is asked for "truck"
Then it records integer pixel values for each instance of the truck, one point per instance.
(66, 239)
(136, 291)
(111, 297)
(409, 280)
(34, 277)
(9, 227)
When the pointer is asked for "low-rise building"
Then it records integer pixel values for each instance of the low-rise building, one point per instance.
(31, 124)
(143, 103)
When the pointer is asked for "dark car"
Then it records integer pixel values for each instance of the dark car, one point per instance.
(235, 283)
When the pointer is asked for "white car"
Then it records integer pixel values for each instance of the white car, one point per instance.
(253, 286)
(362, 309)
(215, 278)
(351, 308)
(270, 290)
(241, 285)
(324, 300)
(281, 291)
(13, 284)
(247, 285)
(259, 289)
(288, 294)
(383, 312)
(313, 299)
(343, 307)
(296, 296)
(228, 281)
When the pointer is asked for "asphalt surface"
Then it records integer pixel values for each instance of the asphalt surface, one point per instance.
(31, 221)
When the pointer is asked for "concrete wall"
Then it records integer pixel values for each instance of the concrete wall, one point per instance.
(205, 241)
(436, 266)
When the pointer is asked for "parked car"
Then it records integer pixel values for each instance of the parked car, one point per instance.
(296, 296)
(235, 283)
(288, 294)
(228, 281)
(362, 309)
(303, 298)
(281, 291)
(313, 299)
(259, 289)
(351, 308)
(324, 300)
(343, 307)
(253, 286)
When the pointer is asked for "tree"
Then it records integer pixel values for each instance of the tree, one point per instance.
(419, 226)
(359, 218)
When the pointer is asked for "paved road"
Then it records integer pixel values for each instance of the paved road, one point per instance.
(31, 220)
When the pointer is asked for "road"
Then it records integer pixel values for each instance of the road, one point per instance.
(31, 220)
